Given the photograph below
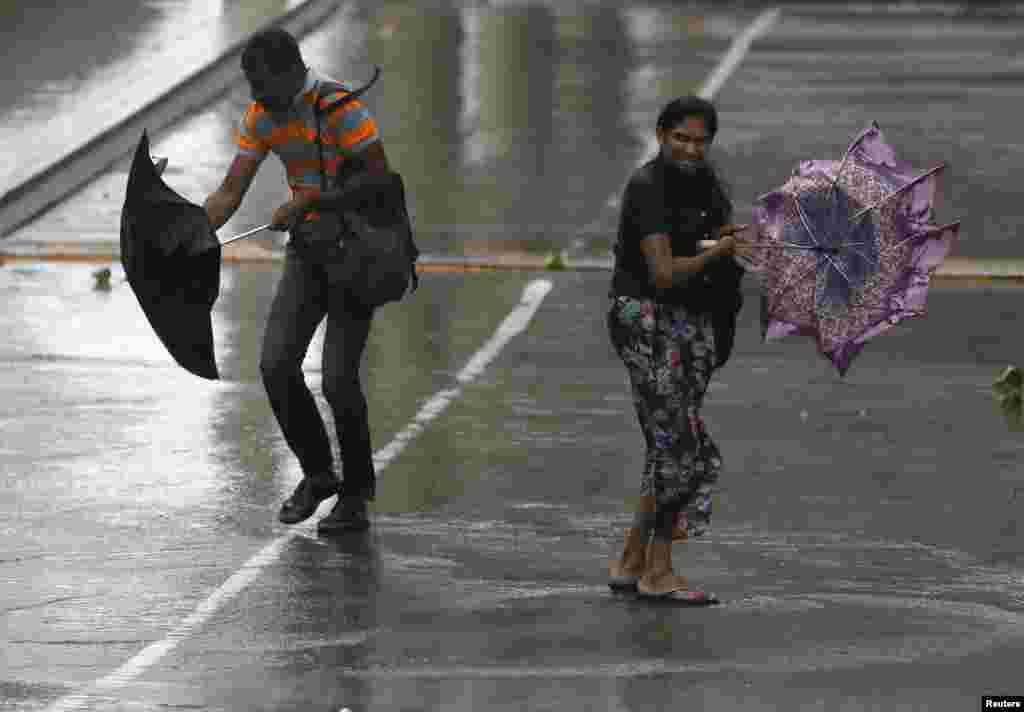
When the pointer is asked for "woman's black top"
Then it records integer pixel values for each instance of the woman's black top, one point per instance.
(660, 198)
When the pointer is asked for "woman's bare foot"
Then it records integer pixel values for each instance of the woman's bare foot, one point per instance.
(661, 584)
(624, 570)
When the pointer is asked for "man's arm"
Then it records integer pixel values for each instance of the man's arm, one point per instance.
(222, 203)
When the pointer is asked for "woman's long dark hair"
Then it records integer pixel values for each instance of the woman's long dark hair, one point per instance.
(675, 113)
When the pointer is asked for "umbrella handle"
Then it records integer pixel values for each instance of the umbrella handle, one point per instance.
(247, 233)
(708, 244)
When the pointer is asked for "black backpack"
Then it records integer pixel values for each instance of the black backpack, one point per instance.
(380, 253)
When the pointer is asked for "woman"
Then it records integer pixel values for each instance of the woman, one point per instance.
(671, 320)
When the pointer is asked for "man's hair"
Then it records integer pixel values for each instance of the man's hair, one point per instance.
(678, 110)
(274, 50)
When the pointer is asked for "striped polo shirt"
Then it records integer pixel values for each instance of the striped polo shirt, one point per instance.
(346, 131)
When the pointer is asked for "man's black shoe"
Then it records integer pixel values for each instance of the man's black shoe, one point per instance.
(348, 515)
(306, 498)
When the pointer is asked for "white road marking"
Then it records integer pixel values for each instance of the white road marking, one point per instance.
(514, 324)
(762, 24)
(737, 50)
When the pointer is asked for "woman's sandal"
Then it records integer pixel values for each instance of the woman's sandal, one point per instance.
(684, 597)
(621, 583)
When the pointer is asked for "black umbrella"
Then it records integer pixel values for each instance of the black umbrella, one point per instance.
(171, 257)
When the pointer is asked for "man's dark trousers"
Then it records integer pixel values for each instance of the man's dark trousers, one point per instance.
(304, 296)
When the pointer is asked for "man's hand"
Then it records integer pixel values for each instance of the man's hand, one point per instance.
(289, 214)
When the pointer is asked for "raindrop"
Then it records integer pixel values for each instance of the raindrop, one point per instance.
(803, 415)
(863, 413)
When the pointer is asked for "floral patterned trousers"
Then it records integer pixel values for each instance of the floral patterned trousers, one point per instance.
(670, 355)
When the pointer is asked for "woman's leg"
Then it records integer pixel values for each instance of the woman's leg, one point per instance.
(673, 395)
(631, 565)
(659, 579)
(668, 359)
(707, 457)
(628, 322)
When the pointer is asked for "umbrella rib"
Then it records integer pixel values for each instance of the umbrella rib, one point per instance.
(797, 246)
(859, 254)
(880, 307)
(901, 189)
(923, 233)
(803, 221)
(849, 150)
(836, 266)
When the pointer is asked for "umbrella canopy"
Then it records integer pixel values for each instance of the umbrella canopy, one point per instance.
(171, 257)
(849, 247)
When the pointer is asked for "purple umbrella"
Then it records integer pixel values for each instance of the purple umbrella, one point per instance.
(850, 246)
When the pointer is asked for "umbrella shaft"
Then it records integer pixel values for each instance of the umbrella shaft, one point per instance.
(708, 244)
(247, 233)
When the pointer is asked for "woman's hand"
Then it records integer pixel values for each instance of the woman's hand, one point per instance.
(290, 213)
(728, 245)
(731, 229)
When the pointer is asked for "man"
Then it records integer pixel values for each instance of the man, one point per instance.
(281, 120)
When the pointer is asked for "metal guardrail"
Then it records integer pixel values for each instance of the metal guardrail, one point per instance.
(25, 201)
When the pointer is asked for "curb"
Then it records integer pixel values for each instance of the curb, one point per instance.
(52, 184)
(955, 270)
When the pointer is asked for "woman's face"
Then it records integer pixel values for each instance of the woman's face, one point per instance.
(685, 143)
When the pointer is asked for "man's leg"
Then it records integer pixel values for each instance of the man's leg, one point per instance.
(348, 327)
(297, 309)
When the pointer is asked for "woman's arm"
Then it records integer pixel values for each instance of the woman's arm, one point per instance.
(666, 270)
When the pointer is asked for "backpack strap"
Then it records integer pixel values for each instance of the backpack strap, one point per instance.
(350, 96)
(319, 111)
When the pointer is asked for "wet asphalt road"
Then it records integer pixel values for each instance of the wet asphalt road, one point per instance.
(74, 72)
(867, 546)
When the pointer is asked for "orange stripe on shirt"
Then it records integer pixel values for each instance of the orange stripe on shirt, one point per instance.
(352, 138)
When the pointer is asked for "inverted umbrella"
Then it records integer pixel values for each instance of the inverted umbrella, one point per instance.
(848, 247)
(171, 257)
